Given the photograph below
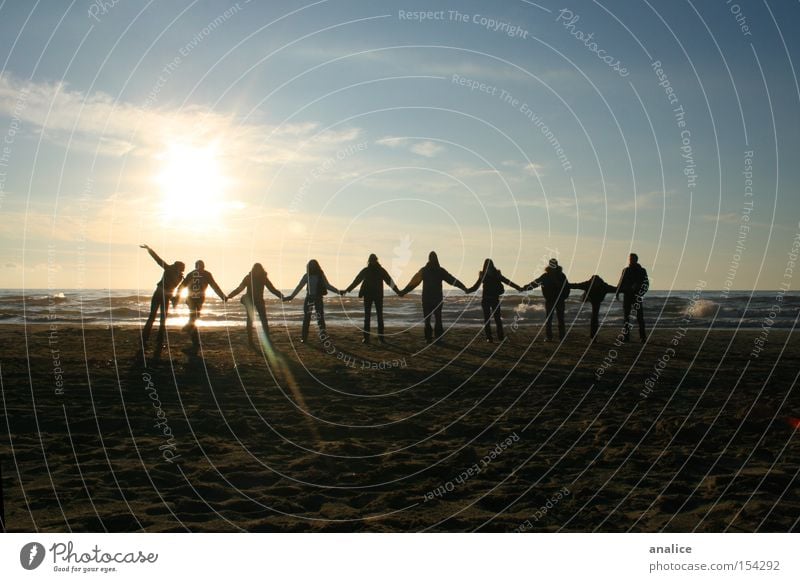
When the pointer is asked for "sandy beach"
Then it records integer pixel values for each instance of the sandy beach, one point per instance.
(688, 433)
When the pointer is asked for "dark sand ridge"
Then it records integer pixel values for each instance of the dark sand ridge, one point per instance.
(304, 440)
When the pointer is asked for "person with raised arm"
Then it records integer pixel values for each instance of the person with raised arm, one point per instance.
(633, 284)
(555, 289)
(492, 280)
(372, 277)
(159, 304)
(317, 287)
(253, 299)
(594, 290)
(197, 282)
(432, 275)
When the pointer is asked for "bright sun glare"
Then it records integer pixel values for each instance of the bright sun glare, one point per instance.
(192, 184)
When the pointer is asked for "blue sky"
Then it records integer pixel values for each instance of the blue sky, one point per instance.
(282, 131)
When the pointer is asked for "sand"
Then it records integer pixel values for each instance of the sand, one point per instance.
(463, 436)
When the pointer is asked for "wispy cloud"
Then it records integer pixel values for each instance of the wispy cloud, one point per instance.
(99, 122)
(424, 148)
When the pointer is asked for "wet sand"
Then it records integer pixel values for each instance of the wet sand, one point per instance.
(336, 436)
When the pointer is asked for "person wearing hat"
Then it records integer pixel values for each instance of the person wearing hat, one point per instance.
(555, 289)
(172, 277)
(633, 284)
(197, 282)
(372, 277)
(432, 275)
(594, 290)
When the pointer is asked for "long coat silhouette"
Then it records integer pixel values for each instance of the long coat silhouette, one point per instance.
(633, 284)
(432, 275)
(555, 289)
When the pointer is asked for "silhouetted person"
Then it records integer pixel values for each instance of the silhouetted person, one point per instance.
(633, 284)
(555, 289)
(197, 282)
(253, 300)
(432, 275)
(372, 277)
(317, 286)
(492, 281)
(594, 290)
(173, 275)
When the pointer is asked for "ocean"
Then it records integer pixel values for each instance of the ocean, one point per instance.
(669, 309)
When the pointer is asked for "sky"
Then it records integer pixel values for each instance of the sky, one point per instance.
(283, 131)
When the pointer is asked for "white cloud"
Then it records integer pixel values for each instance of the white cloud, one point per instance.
(424, 148)
(98, 122)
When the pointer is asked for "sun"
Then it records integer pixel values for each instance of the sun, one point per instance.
(192, 183)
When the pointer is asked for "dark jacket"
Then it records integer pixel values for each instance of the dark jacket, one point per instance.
(492, 284)
(372, 277)
(255, 284)
(172, 276)
(554, 284)
(633, 280)
(432, 276)
(198, 281)
(594, 289)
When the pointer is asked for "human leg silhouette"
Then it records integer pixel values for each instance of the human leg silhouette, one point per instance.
(439, 328)
(427, 313)
(379, 314)
(549, 308)
(486, 305)
(319, 307)
(627, 305)
(594, 326)
(498, 319)
(308, 308)
(560, 316)
(261, 309)
(155, 305)
(367, 318)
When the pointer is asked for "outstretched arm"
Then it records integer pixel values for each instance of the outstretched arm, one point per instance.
(356, 281)
(268, 284)
(387, 278)
(213, 284)
(239, 289)
(476, 285)
(156, 258)
(447, 277)
(582, 286)
(531, 286)
(415, 280)
(621, 280)
(510, 283)
(297, 289)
